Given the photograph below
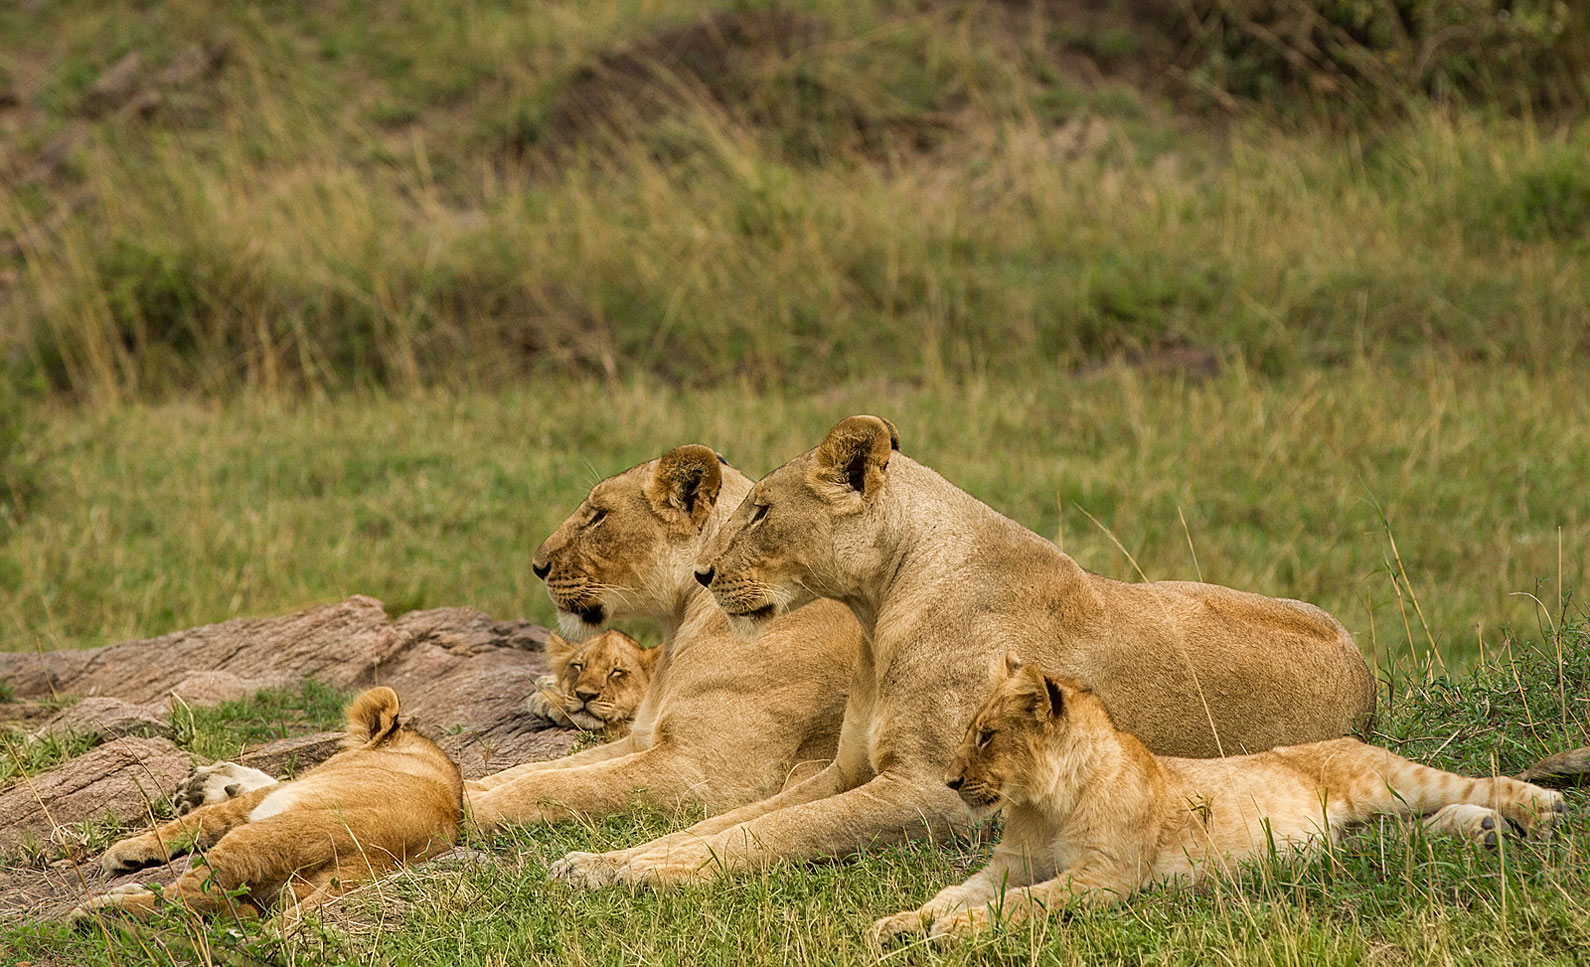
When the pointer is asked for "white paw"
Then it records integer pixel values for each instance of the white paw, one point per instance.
(218, 783)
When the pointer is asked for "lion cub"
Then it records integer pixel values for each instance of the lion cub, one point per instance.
(596, 684)
(390, 797)
(1092, 816)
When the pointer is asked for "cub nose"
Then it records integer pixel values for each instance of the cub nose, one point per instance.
(704, 576)
(955, 782)
(586, 694)
(540, 570)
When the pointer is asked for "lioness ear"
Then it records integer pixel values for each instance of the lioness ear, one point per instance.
(559, 651)
(855, 454)
(686, 481)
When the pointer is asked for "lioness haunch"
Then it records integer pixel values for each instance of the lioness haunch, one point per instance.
(1091, 816)
(390, 797)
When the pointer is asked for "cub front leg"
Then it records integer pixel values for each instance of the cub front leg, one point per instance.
(1092, 886)
(1012, 865)
(199, 829)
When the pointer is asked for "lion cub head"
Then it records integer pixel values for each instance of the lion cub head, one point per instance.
(803, 524)
(598, 684)
(1034, 734)
(629, 549)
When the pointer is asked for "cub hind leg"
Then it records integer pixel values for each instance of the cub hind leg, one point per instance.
(1452, 803)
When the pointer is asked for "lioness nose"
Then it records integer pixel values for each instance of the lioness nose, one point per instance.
(955, 783)
(586, 694)
(704, 577)
(540, 570)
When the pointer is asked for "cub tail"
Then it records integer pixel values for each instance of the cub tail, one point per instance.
(1559, 771)
(372, 717)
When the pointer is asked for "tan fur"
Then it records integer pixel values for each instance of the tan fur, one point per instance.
(390, 797)
(725, 721)
(596, 684)
(940, 584)
(1091, 816)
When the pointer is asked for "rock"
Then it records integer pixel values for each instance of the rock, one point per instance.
(107, 716)
(215, 687)
(291, 756)
(122, 778)
(338, 644)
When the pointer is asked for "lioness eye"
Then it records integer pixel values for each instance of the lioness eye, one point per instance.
(759, 513)
(596, 518)
(984, 737)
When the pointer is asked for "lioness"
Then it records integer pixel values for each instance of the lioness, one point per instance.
(1091, 816)
(390, 797)
(595, 685)
(726, 721)
(941, 583)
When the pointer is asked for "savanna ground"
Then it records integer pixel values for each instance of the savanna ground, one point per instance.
(304, 300)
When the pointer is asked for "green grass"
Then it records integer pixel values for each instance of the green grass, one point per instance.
(222, 731)
(1388, 894)
(155, 518)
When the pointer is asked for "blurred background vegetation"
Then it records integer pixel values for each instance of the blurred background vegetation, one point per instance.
(299, 299)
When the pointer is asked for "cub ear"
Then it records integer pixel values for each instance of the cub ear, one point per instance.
(648, 657)
(1012, 664)
(559, 651)
(686, 482)
(1056, 697)
(372, 716)
(855, 454)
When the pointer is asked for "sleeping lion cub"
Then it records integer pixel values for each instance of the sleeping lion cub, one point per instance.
(596, 684)
(390, 797)
(1091, 816)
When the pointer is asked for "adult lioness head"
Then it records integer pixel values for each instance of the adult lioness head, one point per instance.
(806, 524)
(598, 684)
(1025, 738)
(629, 548)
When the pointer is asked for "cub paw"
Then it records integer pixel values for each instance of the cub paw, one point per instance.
(120, 898)
(131, 854)
(218, 783)
(546, 702)
(1536, 815)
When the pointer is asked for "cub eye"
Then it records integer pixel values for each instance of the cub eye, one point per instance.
(616, 673)
(984, 736)
(759, 513)
(576, 666)
(596, 518)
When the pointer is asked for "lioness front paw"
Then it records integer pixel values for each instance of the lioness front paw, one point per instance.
(218, 782)
(664, 869)
(132, 854)
(587, 871)
(887, 929)
(965, 924)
